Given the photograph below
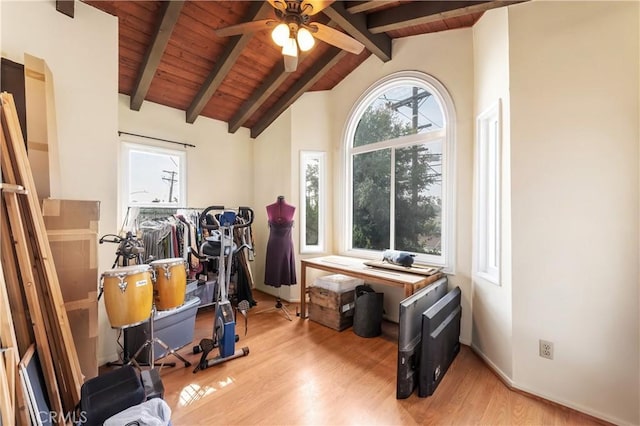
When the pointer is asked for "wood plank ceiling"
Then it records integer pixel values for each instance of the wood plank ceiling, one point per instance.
(169, 53)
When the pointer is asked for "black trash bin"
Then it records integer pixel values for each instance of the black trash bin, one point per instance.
(367, 316)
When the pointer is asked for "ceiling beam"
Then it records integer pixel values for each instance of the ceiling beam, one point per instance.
(423, 12)
(356, 26)
(304, 83)
(259, 96)
(169, 16)
(362, 6)
(66, 6)
(233, 49)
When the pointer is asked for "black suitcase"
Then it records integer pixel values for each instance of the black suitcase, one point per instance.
(108, 394)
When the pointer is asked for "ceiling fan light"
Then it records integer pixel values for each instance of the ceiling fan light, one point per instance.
(290, 48)
(305, 39)
(290, 63)
(280, 34)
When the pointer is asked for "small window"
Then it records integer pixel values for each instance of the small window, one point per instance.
(312, 196)
(152, 176)
(487, 238)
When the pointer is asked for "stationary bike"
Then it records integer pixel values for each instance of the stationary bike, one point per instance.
(224, 327)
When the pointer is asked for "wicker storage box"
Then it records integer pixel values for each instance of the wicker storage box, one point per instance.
(331, 309)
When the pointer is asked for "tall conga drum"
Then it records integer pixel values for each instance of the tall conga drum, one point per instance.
(170, 283)
(128, 295)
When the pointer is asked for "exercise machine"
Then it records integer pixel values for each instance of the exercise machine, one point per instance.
(220, 244)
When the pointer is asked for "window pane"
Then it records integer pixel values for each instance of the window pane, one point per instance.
(371, 195)
(153, 178)
(399, 111)
(418, 198)
(312, 200)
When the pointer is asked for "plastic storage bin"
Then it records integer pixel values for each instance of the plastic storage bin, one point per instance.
(338, 283)
(174, 327)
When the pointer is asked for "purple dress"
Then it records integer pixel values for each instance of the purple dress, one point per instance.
(280, 266)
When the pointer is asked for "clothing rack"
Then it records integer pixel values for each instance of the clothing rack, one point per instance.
(166, 232)
(140, 222)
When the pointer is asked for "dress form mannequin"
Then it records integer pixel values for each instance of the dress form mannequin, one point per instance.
(280, 258)
(280, 211)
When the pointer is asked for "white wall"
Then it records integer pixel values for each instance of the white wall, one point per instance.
(447, 56)
(273, 176)
(219, 168)
(82, 54)
(492, 333)
(574, 140)
(573, 132)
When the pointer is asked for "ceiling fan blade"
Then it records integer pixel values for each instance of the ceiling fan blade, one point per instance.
(311, 7)
(336, 38)
(278, 4)
(244, 28)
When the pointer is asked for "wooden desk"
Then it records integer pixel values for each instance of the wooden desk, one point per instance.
(356, 268)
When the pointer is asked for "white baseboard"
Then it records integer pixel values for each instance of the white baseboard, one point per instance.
(586, 410)
(569, 404)
(504, 377)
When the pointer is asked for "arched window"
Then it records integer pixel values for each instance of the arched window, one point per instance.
(398, 163)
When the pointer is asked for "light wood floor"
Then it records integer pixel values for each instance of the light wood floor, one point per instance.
(301, 372)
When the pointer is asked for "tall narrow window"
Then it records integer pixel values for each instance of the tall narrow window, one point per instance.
(399, 158)
(487, 241)
(312, 196)
(152, 176)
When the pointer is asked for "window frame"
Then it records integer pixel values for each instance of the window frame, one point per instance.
(448, 135)
(321, 157)
(488, 195)
(130, 144)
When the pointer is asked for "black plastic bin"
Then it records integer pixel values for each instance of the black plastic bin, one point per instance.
(367, 317)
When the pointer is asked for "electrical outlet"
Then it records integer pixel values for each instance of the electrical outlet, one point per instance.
(546, 349)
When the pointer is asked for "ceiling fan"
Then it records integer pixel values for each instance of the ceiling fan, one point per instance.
(292, 29)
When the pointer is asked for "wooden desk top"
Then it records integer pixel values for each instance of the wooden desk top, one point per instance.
(355, 267)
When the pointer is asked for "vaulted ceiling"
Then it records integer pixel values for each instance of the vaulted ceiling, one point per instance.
(170, 54)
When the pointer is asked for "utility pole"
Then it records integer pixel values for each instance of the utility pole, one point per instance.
(171, 181)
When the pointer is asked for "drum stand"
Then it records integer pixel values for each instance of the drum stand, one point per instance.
(151, 343)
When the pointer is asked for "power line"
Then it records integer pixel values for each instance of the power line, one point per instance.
(172, 180)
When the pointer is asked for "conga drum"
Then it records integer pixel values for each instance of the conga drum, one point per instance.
(128, 295)
(170, 283)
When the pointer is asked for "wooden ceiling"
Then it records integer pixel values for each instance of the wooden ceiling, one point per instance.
(169, 53)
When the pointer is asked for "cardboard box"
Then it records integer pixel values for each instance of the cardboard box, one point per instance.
(72, 228)
(70, 215)
(330, 308)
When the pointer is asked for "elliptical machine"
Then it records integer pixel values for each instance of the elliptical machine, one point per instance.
(224, 326)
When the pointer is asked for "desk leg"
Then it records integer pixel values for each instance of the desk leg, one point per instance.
(303, 291)
(408, 290)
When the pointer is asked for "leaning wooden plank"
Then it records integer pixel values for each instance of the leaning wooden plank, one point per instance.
(21, 321)
(8, 338)
(24, 177)
(65, 373)
(29, 401)
(25, 267)
(24, 331)
(7, 412)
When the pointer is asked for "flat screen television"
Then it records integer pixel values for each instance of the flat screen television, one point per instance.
(410, 334)
(440, 341)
